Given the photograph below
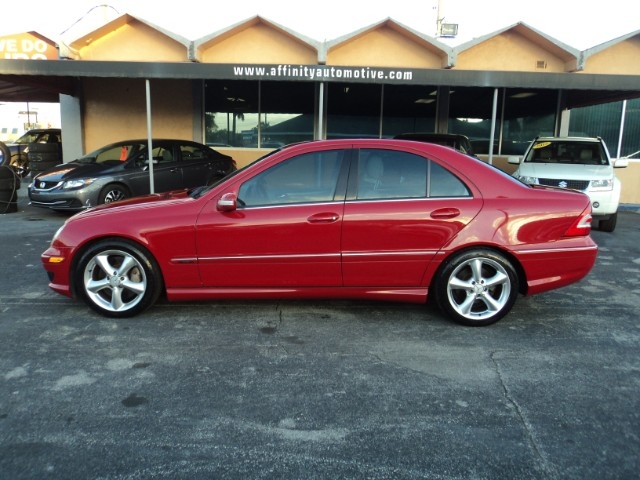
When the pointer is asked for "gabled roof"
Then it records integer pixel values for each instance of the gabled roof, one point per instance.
(429, 43)
(605, 46)
(71, 49)
(206, 42)
(561, 50)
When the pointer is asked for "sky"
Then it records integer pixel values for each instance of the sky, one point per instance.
(580, 24)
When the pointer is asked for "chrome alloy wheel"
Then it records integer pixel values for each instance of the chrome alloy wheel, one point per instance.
(114, 280)
(479, 288)
(114, 195)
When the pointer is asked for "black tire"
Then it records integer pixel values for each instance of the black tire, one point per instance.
(476, 287)
(117, 278)
(6, 153)
(608, 225)
(9, 185)
(112, 193)
(43, 156)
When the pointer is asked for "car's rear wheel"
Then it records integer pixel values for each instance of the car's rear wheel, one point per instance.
(113, 193)
(118, 278)
(476, 287)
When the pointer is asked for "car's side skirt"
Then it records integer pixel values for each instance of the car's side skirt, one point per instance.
(392, 294)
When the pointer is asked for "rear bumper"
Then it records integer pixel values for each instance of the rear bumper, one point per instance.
(548, 269)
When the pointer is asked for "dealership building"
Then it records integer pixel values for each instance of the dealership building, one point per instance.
(257, 85)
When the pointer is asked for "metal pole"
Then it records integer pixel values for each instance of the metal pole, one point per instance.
(381, 111)
(494, 113)
(150, 143)
(320, 110)
(501, 128)
(259, 113)
(624, 113)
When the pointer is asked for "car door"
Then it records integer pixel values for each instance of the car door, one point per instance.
(196, 165)
(401, 209)
(286, 230)
(166, 172)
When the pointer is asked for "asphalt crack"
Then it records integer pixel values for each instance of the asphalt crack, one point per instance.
(548, 469)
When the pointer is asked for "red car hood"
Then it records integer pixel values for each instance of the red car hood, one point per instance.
(135, 202)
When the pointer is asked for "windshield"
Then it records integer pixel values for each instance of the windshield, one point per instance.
(38, 137)
(115, 154)
(567, 152)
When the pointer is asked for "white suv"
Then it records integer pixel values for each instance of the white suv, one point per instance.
(580, 163)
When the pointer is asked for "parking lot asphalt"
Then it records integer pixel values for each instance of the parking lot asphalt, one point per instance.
(318, 389)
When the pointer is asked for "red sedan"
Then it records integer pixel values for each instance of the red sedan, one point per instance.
(362, 219)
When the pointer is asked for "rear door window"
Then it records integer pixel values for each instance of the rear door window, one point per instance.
(387, 174)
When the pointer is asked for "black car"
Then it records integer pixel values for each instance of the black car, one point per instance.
(122, 170)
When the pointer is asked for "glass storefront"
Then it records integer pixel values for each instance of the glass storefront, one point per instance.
(252, 113)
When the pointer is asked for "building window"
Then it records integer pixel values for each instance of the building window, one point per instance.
(258, 114)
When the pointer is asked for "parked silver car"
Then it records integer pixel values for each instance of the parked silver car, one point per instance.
(121, 170)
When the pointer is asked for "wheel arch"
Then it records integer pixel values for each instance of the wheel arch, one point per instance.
(82, 249)
(111, 184)
(522, 277)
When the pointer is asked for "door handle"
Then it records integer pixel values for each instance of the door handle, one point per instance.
(323, 218)
(442, 213)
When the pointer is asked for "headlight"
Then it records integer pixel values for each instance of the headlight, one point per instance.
(77, 183)
(527, 179)
(602, 185)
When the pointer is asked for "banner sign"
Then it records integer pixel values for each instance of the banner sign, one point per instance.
(27, 46)
(323, 73)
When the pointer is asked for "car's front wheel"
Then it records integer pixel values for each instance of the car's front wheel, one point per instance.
(113, 193)
(608, 225)
(476, 287)
(117, 278)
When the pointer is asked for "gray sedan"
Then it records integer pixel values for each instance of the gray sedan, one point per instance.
(121, 170)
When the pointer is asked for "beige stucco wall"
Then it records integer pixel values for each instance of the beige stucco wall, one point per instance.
(385, 47)
(630, 178)
(622, 58)
(509, 51)
(133, 41)
(115, 109)
(259, 43)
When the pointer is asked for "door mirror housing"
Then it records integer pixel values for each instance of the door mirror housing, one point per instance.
(227, 203)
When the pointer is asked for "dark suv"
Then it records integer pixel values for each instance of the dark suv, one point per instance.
(36, 150)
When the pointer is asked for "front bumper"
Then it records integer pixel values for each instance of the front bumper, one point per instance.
(73, 200)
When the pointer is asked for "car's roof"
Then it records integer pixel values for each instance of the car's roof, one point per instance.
(427, 135)
(568, 139)
(43, 130)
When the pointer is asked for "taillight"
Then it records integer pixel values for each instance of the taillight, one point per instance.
(582, 225)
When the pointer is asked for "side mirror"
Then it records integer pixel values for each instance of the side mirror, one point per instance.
(227, 203)
(513, 159)
(620, 162)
